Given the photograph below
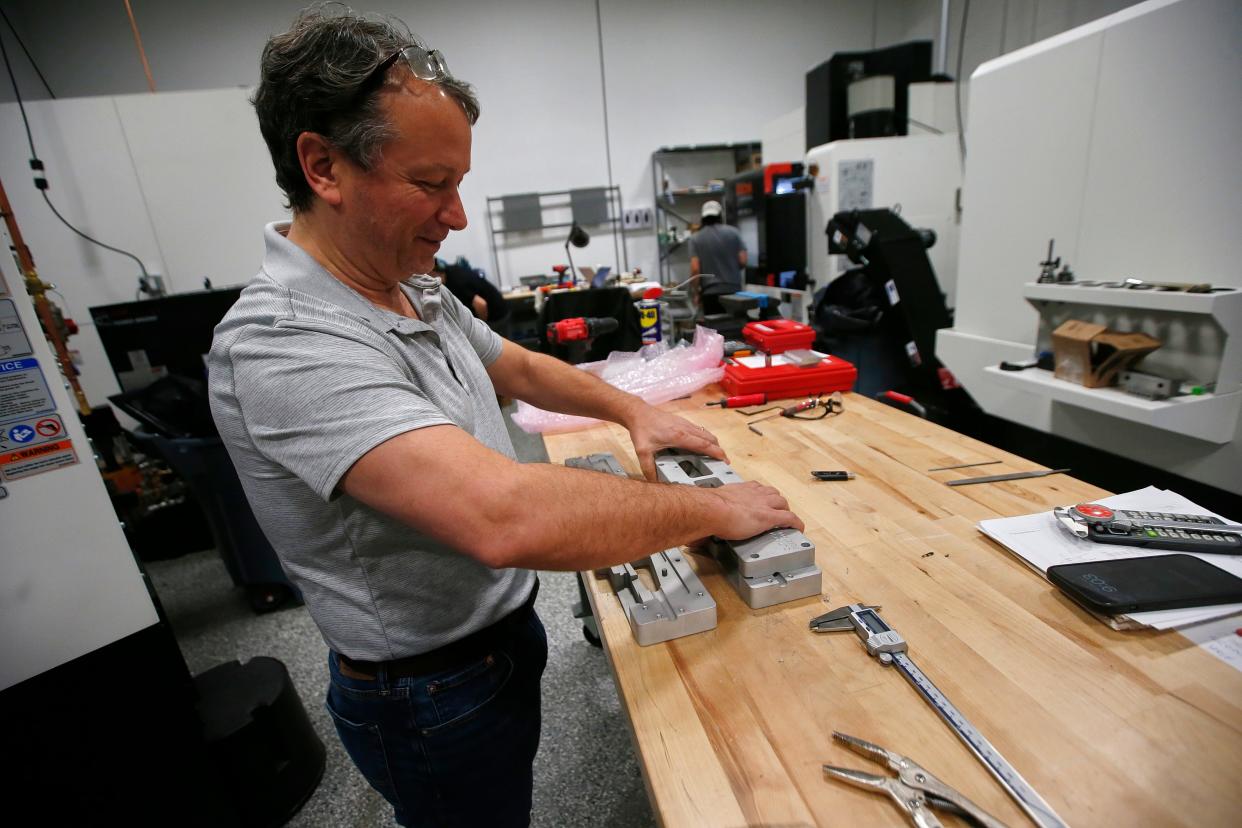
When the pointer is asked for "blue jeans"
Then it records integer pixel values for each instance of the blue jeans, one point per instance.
(453, 747)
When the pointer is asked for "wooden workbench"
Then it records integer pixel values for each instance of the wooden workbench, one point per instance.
(732, 725)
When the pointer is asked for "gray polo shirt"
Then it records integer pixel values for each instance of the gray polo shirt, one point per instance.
(305, 377)
(717, 247)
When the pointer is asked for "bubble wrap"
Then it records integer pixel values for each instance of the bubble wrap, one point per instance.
(656, 373)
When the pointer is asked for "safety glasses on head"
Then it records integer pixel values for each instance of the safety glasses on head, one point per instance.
(424, 64)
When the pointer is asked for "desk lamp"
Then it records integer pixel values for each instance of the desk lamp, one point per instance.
(578, 238)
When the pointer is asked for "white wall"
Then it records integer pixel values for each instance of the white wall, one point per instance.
(157, 175)
(996, 27)
(706, 72)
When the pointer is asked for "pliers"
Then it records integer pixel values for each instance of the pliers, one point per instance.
(915, 790)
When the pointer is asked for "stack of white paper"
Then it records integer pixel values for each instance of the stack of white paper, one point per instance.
(1042, 542)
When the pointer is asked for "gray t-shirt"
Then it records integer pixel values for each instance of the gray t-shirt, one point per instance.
(305, 377)
(717, 247)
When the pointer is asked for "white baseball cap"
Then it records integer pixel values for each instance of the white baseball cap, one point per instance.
(711, 208)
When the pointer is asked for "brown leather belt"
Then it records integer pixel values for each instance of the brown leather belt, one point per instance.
(456, 654)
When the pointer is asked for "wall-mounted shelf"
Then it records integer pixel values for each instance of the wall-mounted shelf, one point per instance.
(1221, 302)
(1201, 333)
(1210, 417)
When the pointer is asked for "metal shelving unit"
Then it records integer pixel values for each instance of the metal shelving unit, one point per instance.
(678, 202)
(525, 213)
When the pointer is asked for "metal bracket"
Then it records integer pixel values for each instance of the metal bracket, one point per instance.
(768, 569)
(679, 606)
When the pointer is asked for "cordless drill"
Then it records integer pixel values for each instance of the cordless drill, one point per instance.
(577, 332)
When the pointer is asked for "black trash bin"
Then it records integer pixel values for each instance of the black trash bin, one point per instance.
(259, 740)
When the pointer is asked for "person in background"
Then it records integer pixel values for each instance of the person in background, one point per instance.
(716, 249)
(479, 295)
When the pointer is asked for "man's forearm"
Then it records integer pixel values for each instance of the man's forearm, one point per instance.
(505, 514)
(585, 519)
(556, 386)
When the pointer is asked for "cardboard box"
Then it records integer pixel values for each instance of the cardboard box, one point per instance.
(1092, 355)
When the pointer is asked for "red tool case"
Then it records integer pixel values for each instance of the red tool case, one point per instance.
(782, 381)
(776, 336)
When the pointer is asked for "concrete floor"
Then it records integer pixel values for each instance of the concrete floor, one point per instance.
(586, 773)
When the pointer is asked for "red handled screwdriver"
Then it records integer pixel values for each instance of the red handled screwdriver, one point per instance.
(740, 401)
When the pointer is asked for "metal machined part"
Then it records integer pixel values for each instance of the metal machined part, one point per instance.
(780, 550)
(777, 588)
(765, 570)
(694, 470)
(680, 604)
(597, 462)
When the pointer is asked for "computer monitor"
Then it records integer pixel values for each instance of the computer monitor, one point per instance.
(148, 340)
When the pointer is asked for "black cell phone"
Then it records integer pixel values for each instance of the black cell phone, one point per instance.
(1137, 584)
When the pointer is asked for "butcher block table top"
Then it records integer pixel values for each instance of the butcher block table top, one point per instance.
(733, 726)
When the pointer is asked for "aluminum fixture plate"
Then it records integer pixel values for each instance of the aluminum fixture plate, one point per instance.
(780, 550)
(768, 569)
(679, 606)
(777, 588)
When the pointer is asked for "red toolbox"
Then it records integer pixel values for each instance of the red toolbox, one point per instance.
(782, 380)
(776, 336)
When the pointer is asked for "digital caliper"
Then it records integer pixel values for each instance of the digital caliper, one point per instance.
(886, 644)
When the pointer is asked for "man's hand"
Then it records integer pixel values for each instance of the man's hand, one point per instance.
(751, 508)
(652, 429)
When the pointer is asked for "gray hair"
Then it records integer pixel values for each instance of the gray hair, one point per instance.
(309, 81)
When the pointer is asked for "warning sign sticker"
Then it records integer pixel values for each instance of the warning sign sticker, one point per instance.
(26, 462)
(32, 432)
(23, 391)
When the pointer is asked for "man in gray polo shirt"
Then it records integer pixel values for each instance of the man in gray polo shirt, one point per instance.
(358, 403)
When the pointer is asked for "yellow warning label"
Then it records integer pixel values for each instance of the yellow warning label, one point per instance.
(15, 465)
